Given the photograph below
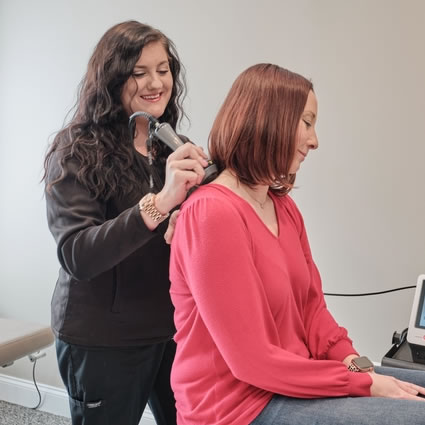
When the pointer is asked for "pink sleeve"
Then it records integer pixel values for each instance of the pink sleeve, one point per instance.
(326, 339)
(212, 254)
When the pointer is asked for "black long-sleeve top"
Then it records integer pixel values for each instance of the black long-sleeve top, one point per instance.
(113, 285)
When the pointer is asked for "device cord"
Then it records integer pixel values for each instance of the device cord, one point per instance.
(366, 294)
(36, 386)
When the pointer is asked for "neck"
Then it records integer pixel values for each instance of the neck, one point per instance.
(141, 135)
(256, 195)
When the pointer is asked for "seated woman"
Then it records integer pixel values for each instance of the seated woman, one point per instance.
(256, 343)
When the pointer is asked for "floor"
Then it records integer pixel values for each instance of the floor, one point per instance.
(12, 414)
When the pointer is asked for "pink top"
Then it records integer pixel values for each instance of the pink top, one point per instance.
(250, 313)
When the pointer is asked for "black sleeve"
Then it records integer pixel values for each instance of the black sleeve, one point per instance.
(87, 243)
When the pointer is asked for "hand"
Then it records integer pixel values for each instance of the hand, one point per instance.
(168, 236)
(184, 169)
(388, 386)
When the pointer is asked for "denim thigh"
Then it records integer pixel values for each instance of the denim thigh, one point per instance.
(283, 410)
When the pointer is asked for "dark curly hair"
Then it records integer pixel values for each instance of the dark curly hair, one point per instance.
(97, 135)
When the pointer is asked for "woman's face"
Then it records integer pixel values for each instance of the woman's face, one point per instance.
(149, 88)
(306, 133)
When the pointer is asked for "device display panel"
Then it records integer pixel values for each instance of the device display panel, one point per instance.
(420, 317)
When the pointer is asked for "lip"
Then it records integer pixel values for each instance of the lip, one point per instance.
(151, 97)
(303, 154)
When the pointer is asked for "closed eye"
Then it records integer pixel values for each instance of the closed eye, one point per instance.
(307, 124)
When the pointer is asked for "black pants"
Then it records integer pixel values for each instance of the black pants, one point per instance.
(112, 386)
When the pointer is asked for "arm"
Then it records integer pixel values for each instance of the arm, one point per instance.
(212, 253)
(326, 339)
(87, 243)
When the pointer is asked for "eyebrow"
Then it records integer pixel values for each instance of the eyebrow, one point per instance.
(144, 66)
(311, 113)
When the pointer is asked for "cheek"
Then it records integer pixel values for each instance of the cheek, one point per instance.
(169, 84)
(128, 92)
(298, 139)
(301, 139)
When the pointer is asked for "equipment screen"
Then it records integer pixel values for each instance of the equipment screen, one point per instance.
(420, 318)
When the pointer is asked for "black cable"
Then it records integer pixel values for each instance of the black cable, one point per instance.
(36, 386)
(369, 293)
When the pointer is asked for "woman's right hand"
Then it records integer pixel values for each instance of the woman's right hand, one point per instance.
(388, 386)
(184, 169)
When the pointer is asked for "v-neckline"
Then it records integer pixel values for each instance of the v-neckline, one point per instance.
(241, 199)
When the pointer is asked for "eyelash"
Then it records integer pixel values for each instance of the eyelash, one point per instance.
(308, 125)
(142, 74)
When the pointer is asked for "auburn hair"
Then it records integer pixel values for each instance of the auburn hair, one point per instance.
(254, 133)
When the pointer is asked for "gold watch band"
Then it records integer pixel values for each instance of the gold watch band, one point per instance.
(147, 205)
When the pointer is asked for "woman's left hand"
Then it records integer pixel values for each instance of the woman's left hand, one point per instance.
(168, 236)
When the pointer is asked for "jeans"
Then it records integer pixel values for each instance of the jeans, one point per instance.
(111, 386)
(283, 410)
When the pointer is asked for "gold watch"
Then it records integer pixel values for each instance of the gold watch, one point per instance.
(360, 364)
(147, 205)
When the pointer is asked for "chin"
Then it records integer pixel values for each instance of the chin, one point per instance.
(155, 110)
(294, 169)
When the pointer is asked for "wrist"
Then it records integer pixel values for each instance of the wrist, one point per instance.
(347, 360)
(148, 207)
(161, 204)
(360, 364)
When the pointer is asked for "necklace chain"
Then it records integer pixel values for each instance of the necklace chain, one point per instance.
(230, 176)
(261, 204)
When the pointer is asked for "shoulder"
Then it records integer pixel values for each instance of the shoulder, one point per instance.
(288, 207)
(61, 162)
(213, 197)
(286, 202)
(212, 206)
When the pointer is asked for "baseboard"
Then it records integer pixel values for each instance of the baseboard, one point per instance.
(54, 400)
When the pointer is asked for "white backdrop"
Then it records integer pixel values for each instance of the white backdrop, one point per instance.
(361, 193)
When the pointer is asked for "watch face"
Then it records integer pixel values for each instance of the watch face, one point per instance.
(363, 363)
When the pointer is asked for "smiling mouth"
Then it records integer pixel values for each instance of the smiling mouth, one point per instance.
(152, 97)
(303, 154)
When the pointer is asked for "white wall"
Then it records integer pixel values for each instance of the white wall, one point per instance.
(361, 193)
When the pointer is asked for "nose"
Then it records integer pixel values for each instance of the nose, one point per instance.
(154, 81)
(313, 142)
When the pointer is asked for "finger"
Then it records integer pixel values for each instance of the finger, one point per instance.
(412, 386)
(415, 397)
(190, 151)
(191, 179)
(168, 236)
(174, 216)
(188, 165)
(411, 389)
(418, 389)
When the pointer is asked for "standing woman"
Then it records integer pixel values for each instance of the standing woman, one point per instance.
(108, 208)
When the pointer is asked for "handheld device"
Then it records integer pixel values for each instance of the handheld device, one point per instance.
(416, 330)
(165, 133)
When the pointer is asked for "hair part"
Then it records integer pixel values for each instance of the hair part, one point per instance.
(97, 135)
(254, 133)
